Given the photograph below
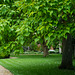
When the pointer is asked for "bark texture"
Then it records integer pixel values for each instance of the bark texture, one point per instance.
(73, 45)
(74, 51)
(67, 53)
(45, 49)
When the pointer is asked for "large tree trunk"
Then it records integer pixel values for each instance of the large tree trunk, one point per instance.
(45, 49)
(45, 52)
(73, 45)
(67, 53)
(74, 51)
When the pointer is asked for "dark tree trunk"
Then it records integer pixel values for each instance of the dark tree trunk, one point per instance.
(45, 49)
(74, 51)
(67, 53)
(73, 45)
(45, 52)
(63, 44)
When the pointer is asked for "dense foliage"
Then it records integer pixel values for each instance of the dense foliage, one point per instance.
(25, 21)
(9, 21)
(48, 19)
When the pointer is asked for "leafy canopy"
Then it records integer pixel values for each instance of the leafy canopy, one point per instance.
(48, 19)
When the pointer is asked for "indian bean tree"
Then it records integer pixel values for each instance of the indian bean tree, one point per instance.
(9, 22)
(50, 20)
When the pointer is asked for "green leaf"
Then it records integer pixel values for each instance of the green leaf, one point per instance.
(36, 40)
(0, 37)
(50, 34)
(26, 34)
(12, 46)
(51, 12)
(73, 2)
(37, 7)
(46, 8)
(8, 1)
(22, 42)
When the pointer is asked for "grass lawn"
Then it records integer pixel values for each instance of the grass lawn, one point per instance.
(35, 65)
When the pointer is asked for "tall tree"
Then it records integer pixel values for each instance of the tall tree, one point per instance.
(50, 20)
(67, 53)
(9, 22)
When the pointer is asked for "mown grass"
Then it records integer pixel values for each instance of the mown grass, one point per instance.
(35, 65)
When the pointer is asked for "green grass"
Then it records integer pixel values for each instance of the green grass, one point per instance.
(35, 65)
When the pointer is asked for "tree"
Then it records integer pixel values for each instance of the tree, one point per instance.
(67, 53)
(73, 2)
(50, 20)
(37, 31)
(73, 46)
(9, 22)
(67, 48)
(38, 20)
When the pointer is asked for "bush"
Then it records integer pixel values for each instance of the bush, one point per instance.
(4, 52)
(4, 55)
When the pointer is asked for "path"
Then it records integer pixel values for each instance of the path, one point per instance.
(4, 71)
